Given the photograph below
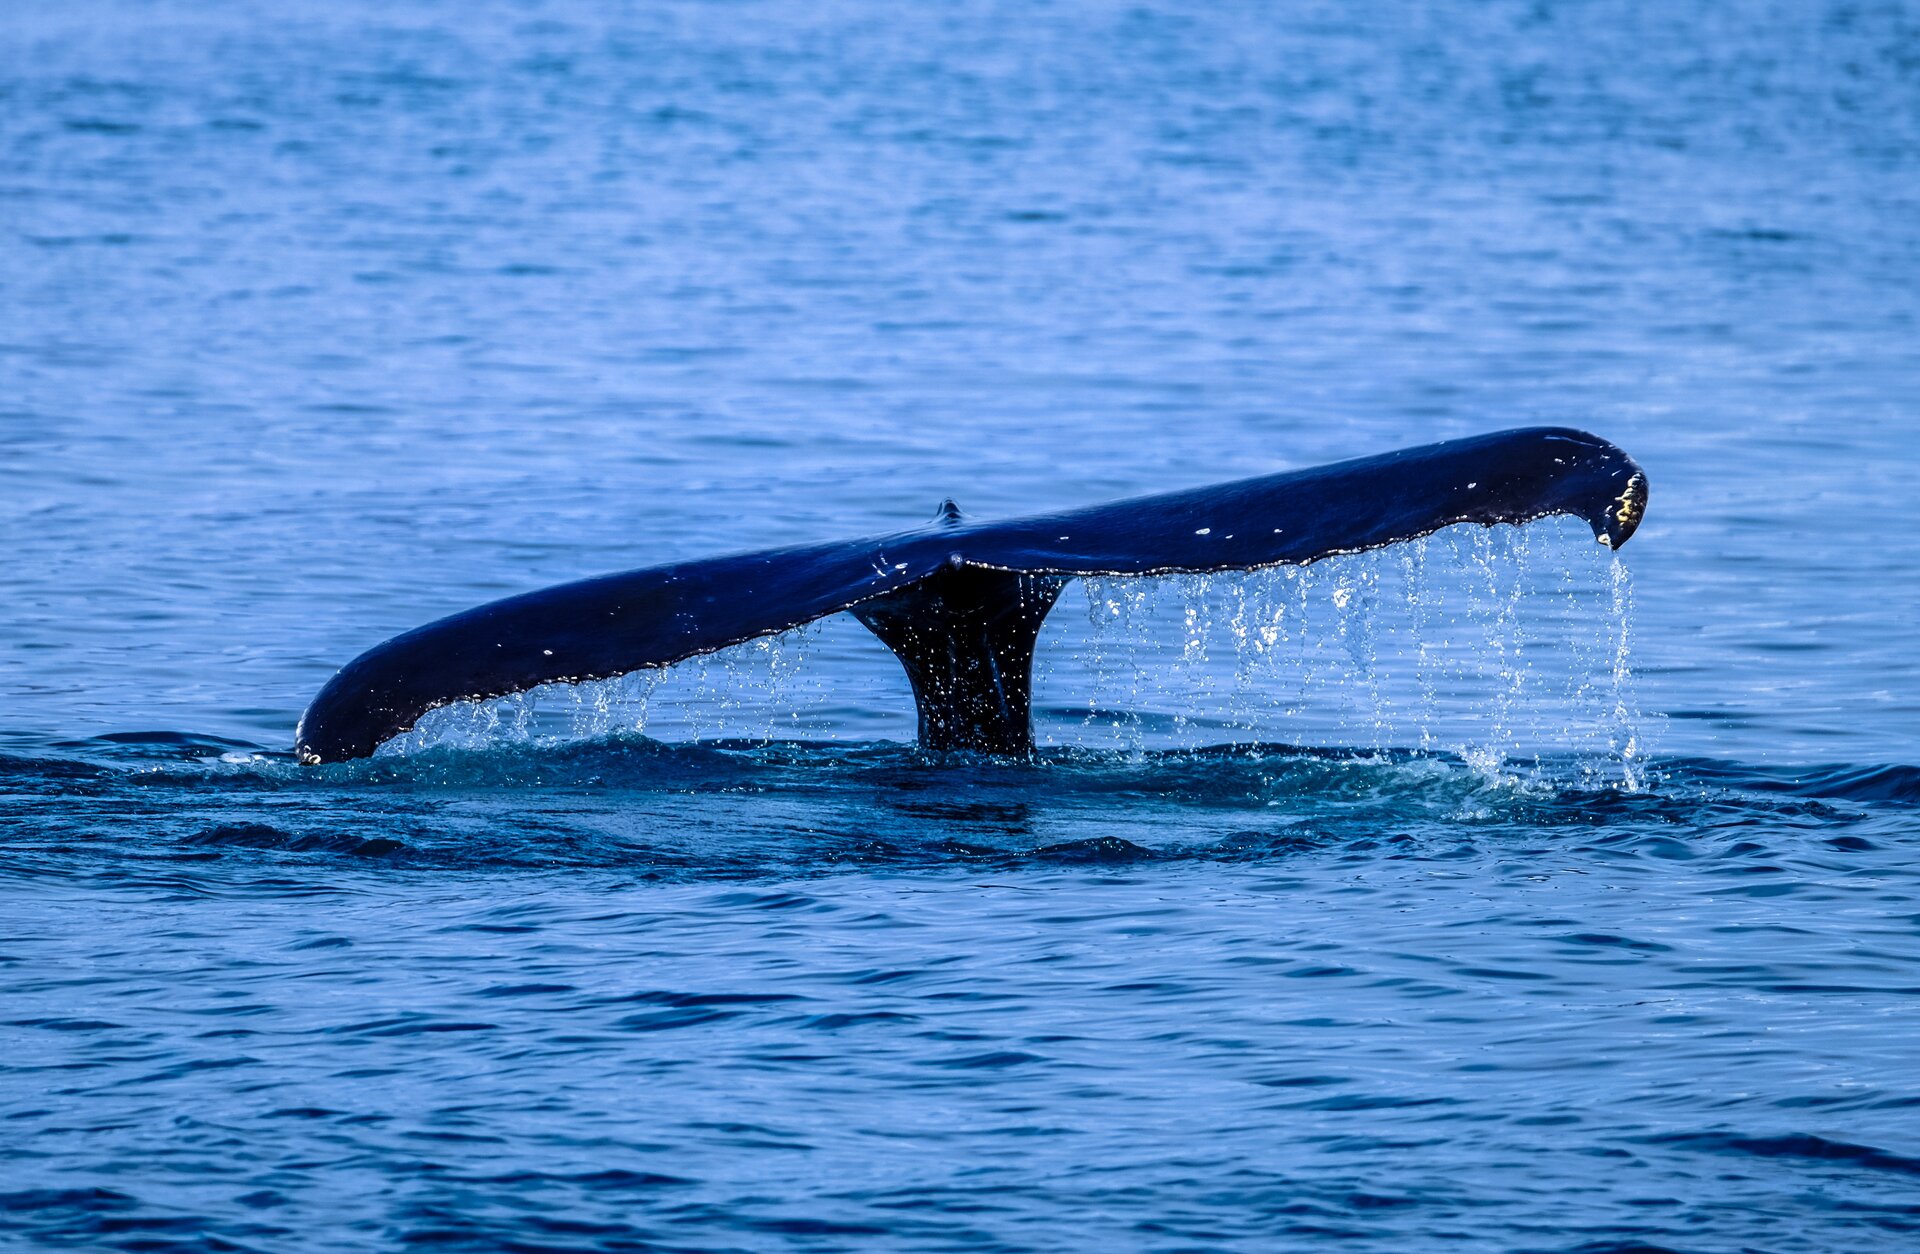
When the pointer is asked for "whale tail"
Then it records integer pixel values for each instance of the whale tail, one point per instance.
(960, 603)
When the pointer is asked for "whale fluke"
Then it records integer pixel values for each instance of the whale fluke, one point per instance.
(960, 602)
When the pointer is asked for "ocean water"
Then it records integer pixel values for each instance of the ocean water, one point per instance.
(1491, 892)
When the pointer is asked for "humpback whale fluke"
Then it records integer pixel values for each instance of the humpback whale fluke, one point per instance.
(960, 602)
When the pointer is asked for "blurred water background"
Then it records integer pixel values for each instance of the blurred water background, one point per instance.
(1489, 892)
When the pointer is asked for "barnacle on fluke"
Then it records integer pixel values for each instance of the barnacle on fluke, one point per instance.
(1629, 508)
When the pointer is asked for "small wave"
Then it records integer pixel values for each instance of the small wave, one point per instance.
(734, 808)
(264, 836)
(160, 744)
(1849, 782)
(1793, 1145)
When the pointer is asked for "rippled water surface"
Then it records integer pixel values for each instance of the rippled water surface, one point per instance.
(1488, 892)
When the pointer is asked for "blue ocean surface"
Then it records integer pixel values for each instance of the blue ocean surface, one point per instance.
(1493, 891)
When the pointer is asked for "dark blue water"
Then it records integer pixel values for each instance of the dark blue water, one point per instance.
(1490, 893)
